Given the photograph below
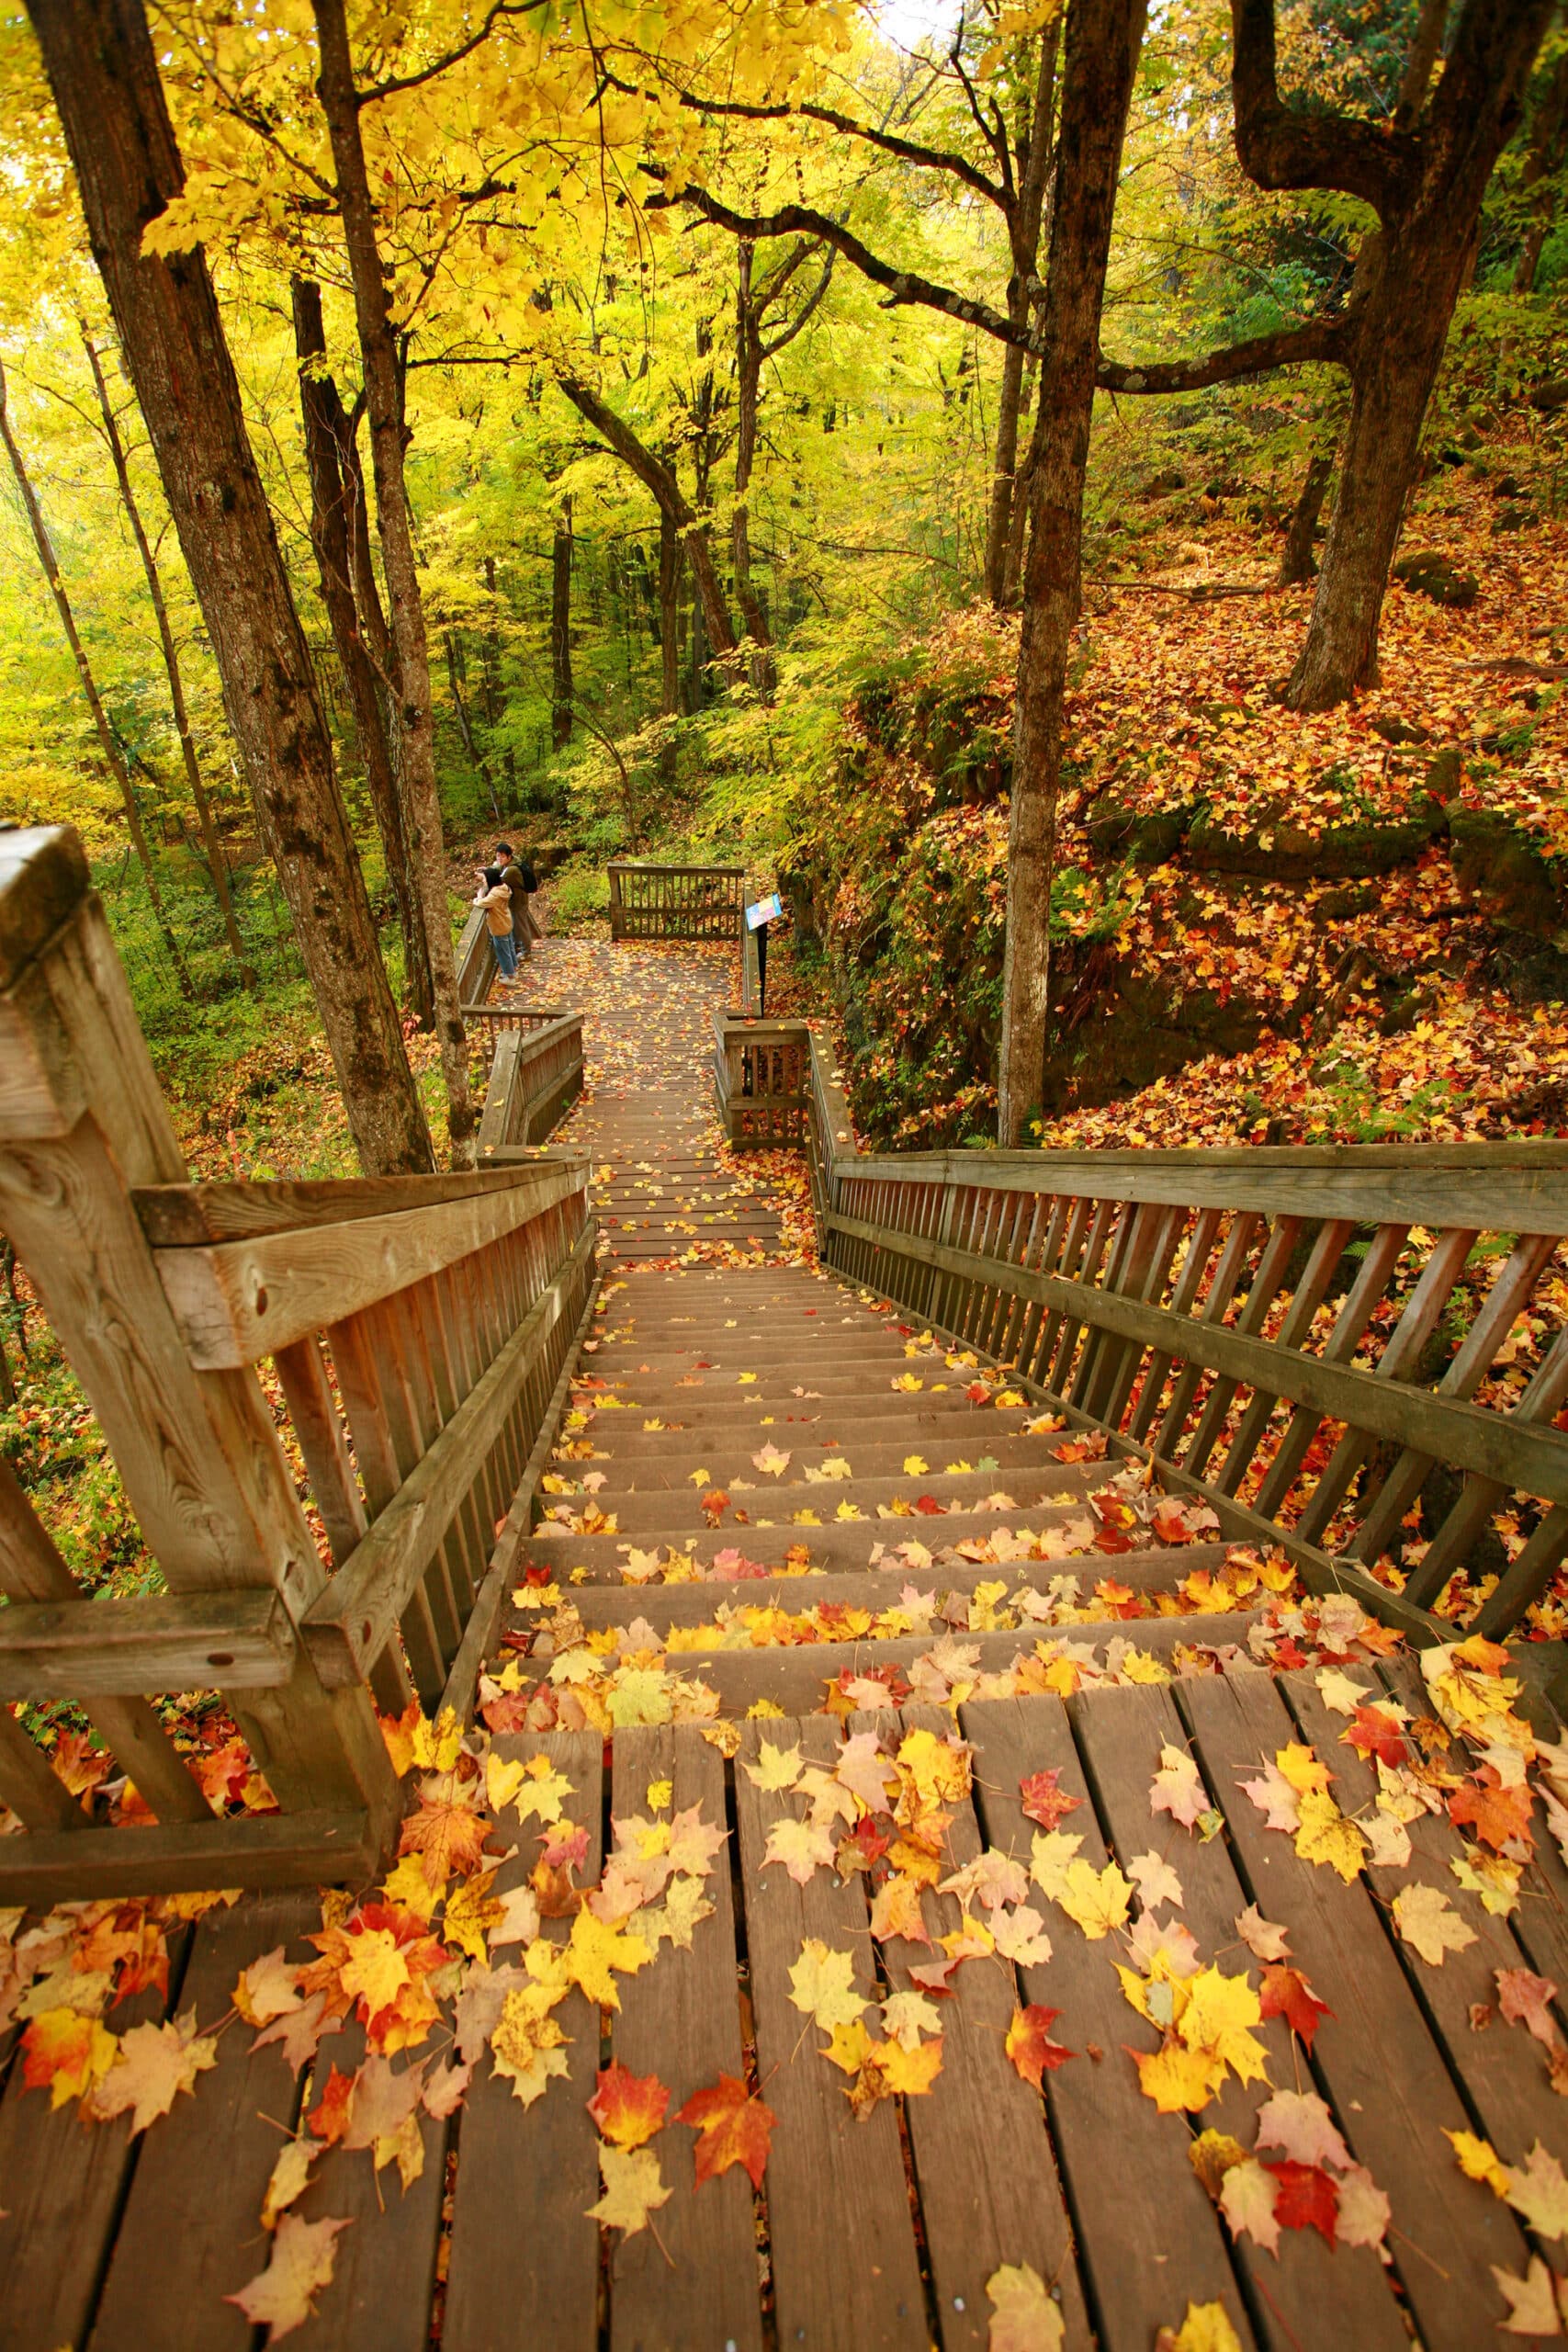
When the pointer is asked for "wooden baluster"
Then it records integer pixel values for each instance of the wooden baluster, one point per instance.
(457, 1347)
(356, 1346)
(1028, 1346)
(1081, 1211)
(307, 1392)
(1221, 1290)
(1398, 1360)
(411, 1417)
(462, 1553)
(1098, 1235)
(33, 1569)
(1382, 1256)
(1507, 1300)
(1542, 1400)
(1133, 1232)
(1011, 1332)
(1278, 1251)
(1294, 1332)
(1199, 1250)
(1167, 1232)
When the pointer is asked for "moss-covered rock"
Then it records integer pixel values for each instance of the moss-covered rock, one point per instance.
(1278, 848)
(1507, 869)
(1428, 573)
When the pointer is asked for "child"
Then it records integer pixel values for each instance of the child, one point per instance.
(494, 896)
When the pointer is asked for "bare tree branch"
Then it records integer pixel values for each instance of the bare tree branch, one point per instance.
(1281, 146)
(396, 84)
(1320, 339)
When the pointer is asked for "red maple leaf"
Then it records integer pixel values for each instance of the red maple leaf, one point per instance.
(1496, 1813)
(929, 1506)
(627, 2107)
(1029, 2046)
(864, 1846)
(1307, 2198)
(329, 2119)
(1376, 1733)
(1286, 1993)
(732, 2128)
(1044, 1801)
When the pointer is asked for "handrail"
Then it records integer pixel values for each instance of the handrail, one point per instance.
(416, 1328)
(1311, 1341)
(652, 901)
(535, 1076)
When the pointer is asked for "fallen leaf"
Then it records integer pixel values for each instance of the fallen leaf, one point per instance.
(822, 1985)
(1177, 1788)
(155, 2062)
(282, 2297)
(732, 2127)
(1023, 2316)
(1429, 1924)
(1044, 1801)
(1286, 1993)
(628, 2109)
(632, 2188)
(1260, 1935)
(1029, 2046)
(1531, 2301)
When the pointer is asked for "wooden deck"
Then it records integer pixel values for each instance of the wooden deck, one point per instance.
(873, 2233)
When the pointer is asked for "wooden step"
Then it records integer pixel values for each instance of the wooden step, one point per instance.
(836, 1544)
(676, 1509)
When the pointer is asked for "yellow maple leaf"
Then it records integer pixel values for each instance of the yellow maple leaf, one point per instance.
(822, 1985)
(1324, 1836)
(1176, 2078)
(1215, 2019)
(376, 1970)
(1300, 1767)
(1097, 1901)
(594, 1950)
(1024, 2317)
(436, 1745)
(1478, 2160)
(909, 2072)
(1538, 2191)
(914, 1467)
(633, 2187)
(471, 1913)
(937, 1768)
(849, 2045)
(1206, 2328)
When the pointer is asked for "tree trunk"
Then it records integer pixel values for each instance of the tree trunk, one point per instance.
(378, 353)
(465, 724)
(98, 56)
(658, 480)
(560, 630)
(1543, 160)
(1023, 232)
(1299, 562)
(1103, 37)
(106, 743)
(669, 641)
(748, 395)
(326, 430)
(211, 842)
(1426, 184)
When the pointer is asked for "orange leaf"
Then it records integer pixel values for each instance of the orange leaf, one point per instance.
(1029, 2046)
(732, 2129)
(1496, 1814)
(627, 2107)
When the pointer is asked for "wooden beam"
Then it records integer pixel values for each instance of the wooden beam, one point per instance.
(98, 1649)
(176, 1216)
(1467, 1436)
(358, 1614)
(236, 1301)
(247, 1850)
(1497, 1188)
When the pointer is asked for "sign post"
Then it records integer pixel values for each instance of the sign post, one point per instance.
(758, 918)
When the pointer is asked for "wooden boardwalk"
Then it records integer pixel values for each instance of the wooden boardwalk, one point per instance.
(881, 2231)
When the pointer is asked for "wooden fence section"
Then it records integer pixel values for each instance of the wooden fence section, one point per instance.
(676, 901)
(535, 1073)
(416, 1329)
(1313, 1342)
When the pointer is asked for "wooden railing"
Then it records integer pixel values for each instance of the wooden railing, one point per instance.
(676, 901)
(1317, 1344)
(325, 1527)
(491, 1022)
(534, 1075)
(474, 960)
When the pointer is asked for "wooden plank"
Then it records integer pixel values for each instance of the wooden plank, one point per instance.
(235, 1301)
(1129, 2182)
(1502, 2070)
(308, 1849)
(190, 2233)
(29, 1784)
(383, 2283)
(183, 1216)
(1307, 2291)
(681, 2020)
(356, 1615)
(1470, 1437)
(61, 2183)
(1388, 2079)
(856, 2281)
(990, 2192)
(88, 1649)
(525, 2255)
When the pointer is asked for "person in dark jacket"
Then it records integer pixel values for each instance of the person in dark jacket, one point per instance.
(522, 881)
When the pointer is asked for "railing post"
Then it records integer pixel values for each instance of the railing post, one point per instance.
(82, 1122)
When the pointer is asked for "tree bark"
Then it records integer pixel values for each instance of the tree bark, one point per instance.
(1426, 184)
(658, 480)
(106, 743)
(1543, 160)
(1023, 238)
(464, 723)
(669, 641)
(98, 56)
(1299, 562)
(378, 353)
(560, 629)
(749, 354)
(211, 842)
(327, 432)
(1101, 56)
